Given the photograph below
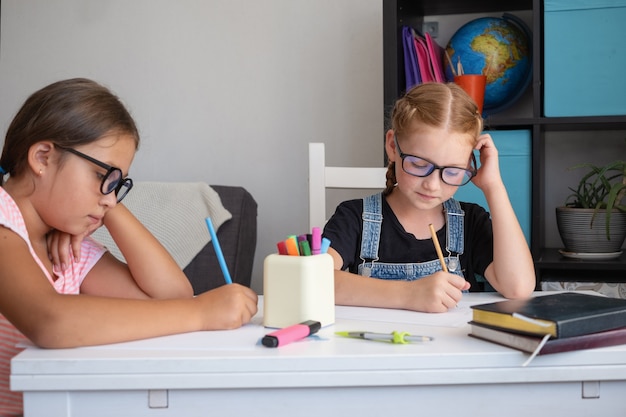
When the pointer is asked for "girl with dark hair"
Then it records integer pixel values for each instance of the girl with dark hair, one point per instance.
(63, 173)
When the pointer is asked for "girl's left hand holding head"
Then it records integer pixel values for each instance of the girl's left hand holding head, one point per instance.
(489, 171)
(63, 248)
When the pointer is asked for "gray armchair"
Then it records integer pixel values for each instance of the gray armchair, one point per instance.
(237, 238)
(175, 212)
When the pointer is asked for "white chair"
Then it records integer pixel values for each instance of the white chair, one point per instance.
(322, 177)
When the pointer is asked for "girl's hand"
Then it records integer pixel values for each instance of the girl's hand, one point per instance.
(227, 307)
(63, 248)
(489, 171)
(436, 293)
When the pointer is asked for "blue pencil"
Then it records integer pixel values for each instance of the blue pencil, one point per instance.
(218, 251)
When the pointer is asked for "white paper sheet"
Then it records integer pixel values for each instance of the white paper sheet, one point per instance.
(455, 317)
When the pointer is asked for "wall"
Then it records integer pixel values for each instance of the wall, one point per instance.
(224, 91)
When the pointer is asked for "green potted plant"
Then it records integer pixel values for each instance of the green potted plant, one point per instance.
(593, 219)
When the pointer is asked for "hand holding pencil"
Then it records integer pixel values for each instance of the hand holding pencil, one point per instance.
(442, 260)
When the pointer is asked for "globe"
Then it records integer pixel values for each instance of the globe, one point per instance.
(498, 48)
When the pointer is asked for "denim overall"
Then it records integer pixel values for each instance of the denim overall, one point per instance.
(372, 221)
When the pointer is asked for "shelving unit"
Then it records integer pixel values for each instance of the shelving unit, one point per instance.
(548, 262)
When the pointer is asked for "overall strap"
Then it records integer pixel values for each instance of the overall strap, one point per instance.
(372, 221)
(455, 226)
(370, 240)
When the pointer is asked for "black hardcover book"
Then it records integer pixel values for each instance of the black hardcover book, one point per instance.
(560, 315)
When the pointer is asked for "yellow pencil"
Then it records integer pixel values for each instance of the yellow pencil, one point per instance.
(438, 248)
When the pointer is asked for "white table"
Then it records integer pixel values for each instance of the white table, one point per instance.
(228, 373)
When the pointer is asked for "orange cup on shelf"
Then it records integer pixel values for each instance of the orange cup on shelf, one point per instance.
(474, 85)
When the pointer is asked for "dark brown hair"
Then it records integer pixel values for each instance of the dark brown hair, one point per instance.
(69, 113)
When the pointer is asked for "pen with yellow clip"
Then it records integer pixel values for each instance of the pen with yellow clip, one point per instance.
(393, 337)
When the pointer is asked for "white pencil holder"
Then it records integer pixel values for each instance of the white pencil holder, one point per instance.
(298, 288)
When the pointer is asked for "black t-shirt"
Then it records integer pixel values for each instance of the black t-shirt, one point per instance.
(345, 228)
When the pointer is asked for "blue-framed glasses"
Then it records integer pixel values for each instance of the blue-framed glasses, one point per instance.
(112, 181)
(420, 167)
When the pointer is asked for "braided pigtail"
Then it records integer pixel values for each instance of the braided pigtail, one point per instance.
(391, 178)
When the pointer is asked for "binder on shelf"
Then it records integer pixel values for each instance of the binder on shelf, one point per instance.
(411, 71)
(423, 58)
(436, 54)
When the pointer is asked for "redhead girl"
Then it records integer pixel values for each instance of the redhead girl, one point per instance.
(382, 245)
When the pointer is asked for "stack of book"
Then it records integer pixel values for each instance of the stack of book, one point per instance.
(423, 58)
(552, 323)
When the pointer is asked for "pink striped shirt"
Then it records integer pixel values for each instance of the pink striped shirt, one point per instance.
(67, 282)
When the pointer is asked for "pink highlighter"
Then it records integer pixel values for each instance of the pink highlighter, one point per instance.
(316, 241)
(291, 334)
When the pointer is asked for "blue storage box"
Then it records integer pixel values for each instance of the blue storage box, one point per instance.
(584, 57)
(514, 150)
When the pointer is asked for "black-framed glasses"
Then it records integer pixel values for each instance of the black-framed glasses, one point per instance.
(420, 167)
(112, 181)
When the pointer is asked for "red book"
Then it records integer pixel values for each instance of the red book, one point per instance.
(560, 315)
(527, 343)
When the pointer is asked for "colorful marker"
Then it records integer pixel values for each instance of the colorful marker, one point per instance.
(292, 246)
(304, 245)
(305, 250)
(282, 248)
(291, 334)
(316, 240)
(325, 245)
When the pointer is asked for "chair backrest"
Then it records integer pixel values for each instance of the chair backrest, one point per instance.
(322, 177)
